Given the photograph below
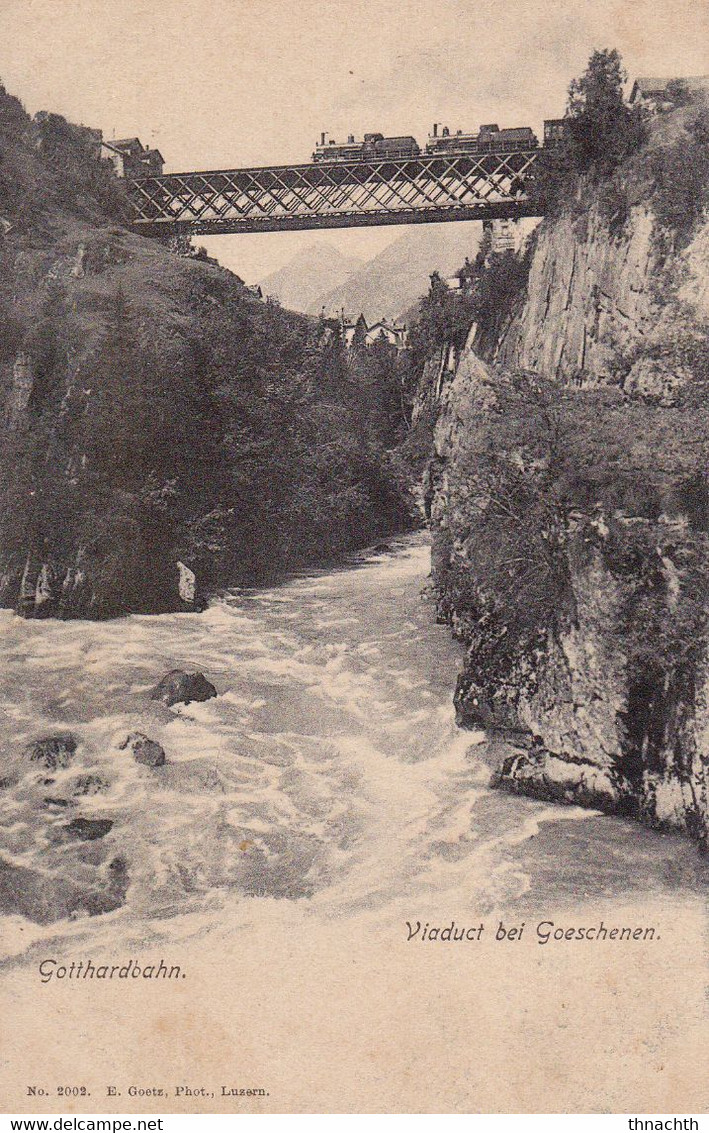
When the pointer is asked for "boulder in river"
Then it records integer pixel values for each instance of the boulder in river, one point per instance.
(89, 784)
(46, 898)
(53, 751)
(144, 750)
(179, 687)
(87, 829)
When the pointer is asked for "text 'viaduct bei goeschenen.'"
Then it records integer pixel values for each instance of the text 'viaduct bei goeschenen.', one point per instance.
(378, 181)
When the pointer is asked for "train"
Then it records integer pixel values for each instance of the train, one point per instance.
(373, 147)
(489, 139)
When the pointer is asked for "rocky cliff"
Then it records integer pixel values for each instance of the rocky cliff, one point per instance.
(569, 506)
(608, 306)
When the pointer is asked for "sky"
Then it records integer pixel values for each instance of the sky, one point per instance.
(223, 83)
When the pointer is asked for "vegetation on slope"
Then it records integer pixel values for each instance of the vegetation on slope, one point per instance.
(615, 153)
(602, 131)
(155, 411)
(633, 475)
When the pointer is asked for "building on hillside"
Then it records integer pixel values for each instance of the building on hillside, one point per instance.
(554, 131)
(505, 235)
(659, 94)
(384, 331)
(360, 333)
(130, 158)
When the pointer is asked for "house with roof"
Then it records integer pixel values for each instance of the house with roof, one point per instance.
(130, 158)
(359, 333)
(384, 331)
(656, 94)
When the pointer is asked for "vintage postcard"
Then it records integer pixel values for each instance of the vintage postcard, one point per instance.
(354, 556)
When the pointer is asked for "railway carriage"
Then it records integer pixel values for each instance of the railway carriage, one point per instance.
(488, 139)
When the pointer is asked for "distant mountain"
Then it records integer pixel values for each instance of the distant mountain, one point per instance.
(390, 284)
(316, 271)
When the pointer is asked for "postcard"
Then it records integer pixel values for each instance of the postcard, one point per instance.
(354, 546)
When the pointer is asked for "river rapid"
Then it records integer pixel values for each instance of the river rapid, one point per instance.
(326, 778)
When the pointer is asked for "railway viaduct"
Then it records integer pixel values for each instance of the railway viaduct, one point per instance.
(347, 194)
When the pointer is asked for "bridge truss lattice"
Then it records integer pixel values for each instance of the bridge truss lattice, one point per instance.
(424, 189)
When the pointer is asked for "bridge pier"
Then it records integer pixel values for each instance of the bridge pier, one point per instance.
(504, 234)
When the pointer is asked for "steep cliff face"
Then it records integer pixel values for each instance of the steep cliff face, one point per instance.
(568, 500)
(610, 307)
(587, 299)
(589, 712)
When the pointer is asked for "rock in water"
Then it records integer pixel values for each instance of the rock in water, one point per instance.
(89, 784)
(53, 751)
(178, 687)
(144, 750)
(46, 898)
(186, 584)
(87, 829)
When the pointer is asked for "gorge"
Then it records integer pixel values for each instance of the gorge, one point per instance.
(173, 444)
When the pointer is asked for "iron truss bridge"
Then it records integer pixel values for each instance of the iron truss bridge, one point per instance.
(285, 198)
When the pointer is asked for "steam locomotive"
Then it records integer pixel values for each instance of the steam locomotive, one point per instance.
(374, 147)
(489, 139)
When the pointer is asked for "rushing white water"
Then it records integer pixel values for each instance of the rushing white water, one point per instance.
(328, 774)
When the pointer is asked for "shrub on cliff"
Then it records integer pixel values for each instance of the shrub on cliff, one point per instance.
(500, 282)
(488, 290)
(546, 459)
(444, 318)
(680, 174)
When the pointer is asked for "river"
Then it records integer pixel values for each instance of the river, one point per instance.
(327, 772)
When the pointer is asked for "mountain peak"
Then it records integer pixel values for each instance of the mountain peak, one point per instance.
(314, 271)
(389, 285)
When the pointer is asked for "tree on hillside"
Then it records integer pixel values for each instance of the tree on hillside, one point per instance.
(444, 318)
(602, 129)
(377, 396)
(118, 434)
